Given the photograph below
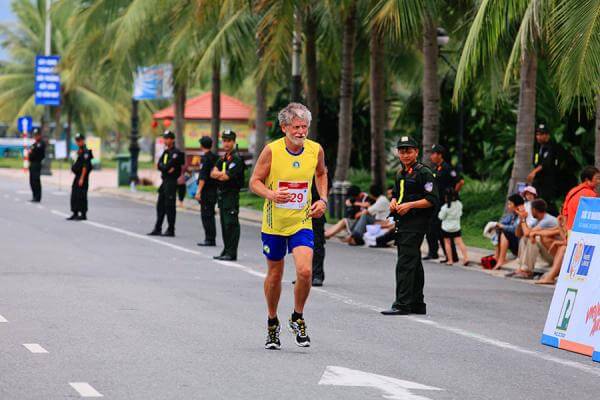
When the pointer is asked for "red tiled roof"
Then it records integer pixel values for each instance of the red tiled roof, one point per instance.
(200, 107)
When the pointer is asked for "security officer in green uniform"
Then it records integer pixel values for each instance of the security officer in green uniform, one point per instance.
(229, 172)
(169, 164)
(79, 189)
(415, 197)
(544, 176)
(445, 177)
(36, 155)
(206, 194)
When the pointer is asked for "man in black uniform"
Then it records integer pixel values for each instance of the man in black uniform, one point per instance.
(229, 172)
(414, 199)
(36, 154)
(81, 168)
(445, 177)
(169, 164)
(207, 192)
(545, 168)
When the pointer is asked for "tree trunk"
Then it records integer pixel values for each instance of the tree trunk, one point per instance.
(431, 88)
(310, 33)
(377, 108)
(215, 121)
(597, 152)
(296, 92)
(525, 121)
(346, 91)
(261, 118)
(180, 97)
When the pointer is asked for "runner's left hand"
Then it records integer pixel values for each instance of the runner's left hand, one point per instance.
(317, 209)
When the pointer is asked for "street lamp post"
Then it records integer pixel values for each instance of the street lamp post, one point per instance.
(442, 40)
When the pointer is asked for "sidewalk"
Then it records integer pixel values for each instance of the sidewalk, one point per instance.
(105, 182)
(254, 216)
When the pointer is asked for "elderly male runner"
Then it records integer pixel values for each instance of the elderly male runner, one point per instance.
(283, 177)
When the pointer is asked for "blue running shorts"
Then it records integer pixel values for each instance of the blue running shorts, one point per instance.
(275, 246)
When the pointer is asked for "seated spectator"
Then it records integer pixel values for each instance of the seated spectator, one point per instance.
(375, 214)
(533, 246)
(530, 194)
(380, 235)
(559, 246)
(450, 214)
(506, 237)
(590, 179)
(356, 202)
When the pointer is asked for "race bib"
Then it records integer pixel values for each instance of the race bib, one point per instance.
(298, 195)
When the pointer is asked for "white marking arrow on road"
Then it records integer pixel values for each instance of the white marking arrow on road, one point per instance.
(392, 388)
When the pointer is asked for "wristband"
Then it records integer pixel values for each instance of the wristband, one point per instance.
(324, 201)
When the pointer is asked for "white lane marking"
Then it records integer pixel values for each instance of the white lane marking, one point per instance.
(358, 304)
(35, 348)
(59, 193)
(241, 267)
(392, 388)
(2, 319)
(85, 389)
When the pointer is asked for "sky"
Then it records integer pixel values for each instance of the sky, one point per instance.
(5, 16)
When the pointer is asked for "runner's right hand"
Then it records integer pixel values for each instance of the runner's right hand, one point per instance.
(280, 195)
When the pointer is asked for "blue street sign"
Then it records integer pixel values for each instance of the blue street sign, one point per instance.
(47, 81)
(24, 124)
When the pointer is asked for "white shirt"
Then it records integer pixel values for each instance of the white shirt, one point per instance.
(380, 209)
(531, 222)
(450, 216)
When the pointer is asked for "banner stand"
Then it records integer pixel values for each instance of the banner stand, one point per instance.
(573, 321)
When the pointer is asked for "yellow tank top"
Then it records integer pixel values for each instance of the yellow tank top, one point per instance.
(296, 173)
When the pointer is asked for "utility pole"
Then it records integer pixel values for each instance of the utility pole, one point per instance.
(46, 117)
(134, 147)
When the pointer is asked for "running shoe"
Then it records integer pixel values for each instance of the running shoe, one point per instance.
(273, 342)
(298, 329)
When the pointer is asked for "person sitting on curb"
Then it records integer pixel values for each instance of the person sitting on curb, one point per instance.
(529, 194)
(558, 246)
(375, 214)
(590, 179)
(532, 246)
(506, 230)
(356, 203)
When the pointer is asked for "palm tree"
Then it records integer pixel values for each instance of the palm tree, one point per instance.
(83, 101)
(349, 13)
(574, 47)
(410, 20)
(492, 23)
(377, 109)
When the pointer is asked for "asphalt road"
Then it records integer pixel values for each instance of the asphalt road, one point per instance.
(127, 316)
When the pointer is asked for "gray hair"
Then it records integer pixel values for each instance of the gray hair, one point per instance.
(294, 110)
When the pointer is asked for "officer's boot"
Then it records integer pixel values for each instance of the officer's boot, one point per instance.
(73, 217)
(82, 216)
(170, 232)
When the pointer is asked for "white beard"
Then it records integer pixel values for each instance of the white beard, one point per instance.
(297, 141)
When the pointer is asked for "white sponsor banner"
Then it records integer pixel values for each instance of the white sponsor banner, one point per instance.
(573, 321)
